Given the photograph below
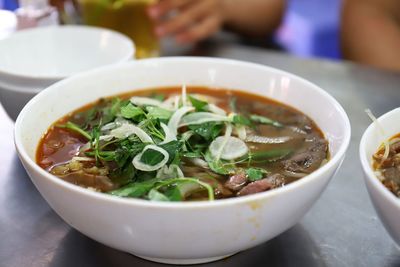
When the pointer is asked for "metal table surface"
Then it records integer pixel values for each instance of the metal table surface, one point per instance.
(342, 228)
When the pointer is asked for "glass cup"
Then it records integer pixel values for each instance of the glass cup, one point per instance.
(126, 16)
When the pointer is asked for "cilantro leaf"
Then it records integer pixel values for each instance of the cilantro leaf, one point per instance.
(158, 113)
(218, 166)
(199, 105)
(209, 130)
(241, 120)
(130, 111)
(151, 157)
(254, 174)
(136, 189)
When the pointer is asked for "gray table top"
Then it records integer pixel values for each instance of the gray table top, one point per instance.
(342, 228)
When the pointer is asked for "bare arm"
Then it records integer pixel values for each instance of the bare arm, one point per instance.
(253, 17)
(194, 20)
(371, 32)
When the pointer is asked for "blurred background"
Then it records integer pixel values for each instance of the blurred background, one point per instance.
(310, 27)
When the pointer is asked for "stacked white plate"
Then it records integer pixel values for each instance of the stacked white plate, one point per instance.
(33, 59)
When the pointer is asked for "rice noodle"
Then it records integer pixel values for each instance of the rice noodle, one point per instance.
(385, 141)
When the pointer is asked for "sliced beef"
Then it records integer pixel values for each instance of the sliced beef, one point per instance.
(276, 180)
(272, 181)
(221, 191)
(308, 160)
(395, 148)
(392, 174)
(236, 182)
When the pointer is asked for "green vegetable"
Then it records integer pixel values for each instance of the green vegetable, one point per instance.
(75, 128)
(158, 113)
(130, 111)
(151, 157)
(209, 130)
(241, 120)
(154, 195)
(137, 189)
(199, 105)
(265, 120)
(219, 166)
(254, 174)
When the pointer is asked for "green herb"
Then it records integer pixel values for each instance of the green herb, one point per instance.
(137, 189)
(174, 193)
(218, 166)
(199, 105)
(196, 154)
(241, 120)
(151, 157)
(265, 120)
(75, 128)
(254, 174)
(209, 130)
(123, 175)
(158, 113)
(151, 189)
(130, 111)
(159, 97)
(154, 195)
(173, 149)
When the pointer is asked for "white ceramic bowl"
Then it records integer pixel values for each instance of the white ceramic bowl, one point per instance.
(33, 59)
(190, 232)
(386, 204)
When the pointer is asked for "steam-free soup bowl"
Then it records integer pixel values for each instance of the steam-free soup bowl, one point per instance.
(386, 204)
(190, 232)
(33, 59)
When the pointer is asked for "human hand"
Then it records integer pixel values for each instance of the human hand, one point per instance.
(188, 21)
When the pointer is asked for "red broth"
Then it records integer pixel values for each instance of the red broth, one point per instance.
(290, 144)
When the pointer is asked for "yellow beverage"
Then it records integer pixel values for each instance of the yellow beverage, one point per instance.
(126, 16)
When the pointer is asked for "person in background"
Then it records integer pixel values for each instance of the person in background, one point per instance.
(190, 21)
(371, 32)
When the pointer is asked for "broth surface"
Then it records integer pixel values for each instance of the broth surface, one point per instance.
(282, 145)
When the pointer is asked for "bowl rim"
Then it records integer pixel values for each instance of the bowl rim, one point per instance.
(369, 174)
(335, 160)
(58, 29)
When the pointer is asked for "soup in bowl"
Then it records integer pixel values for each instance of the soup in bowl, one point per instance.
(226, 153)
(379, 155)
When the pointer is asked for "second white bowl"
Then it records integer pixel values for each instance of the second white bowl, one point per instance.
(33, 59)
(386, 204)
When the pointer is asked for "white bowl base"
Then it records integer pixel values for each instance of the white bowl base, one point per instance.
(184, 261)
